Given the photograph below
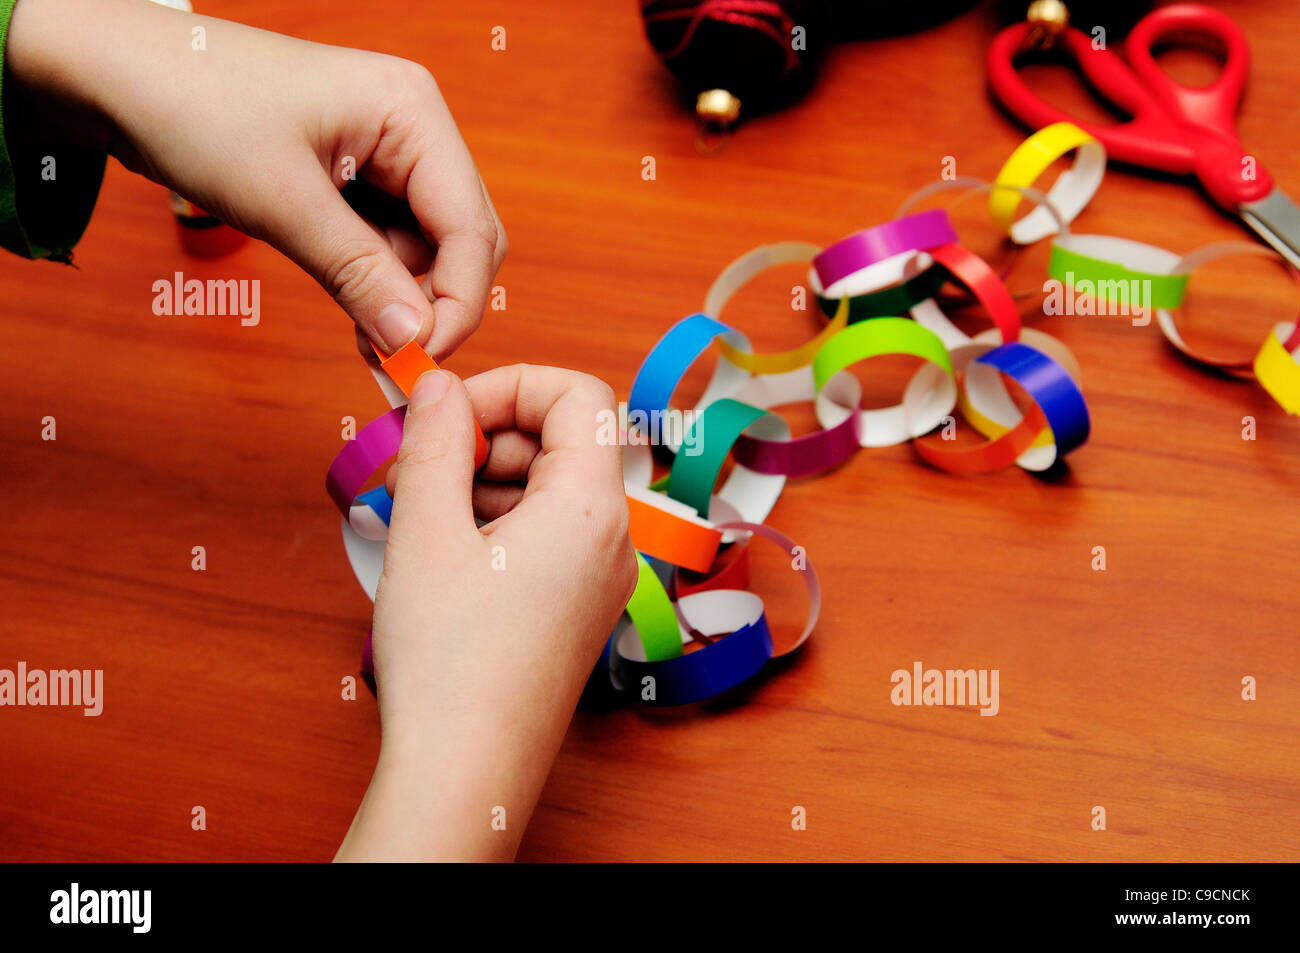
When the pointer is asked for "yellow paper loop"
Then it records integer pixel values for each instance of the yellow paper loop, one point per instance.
(1071, 192)
(1277, 370)
(786, 360)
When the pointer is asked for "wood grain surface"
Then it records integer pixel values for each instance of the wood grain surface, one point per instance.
(1119, 689)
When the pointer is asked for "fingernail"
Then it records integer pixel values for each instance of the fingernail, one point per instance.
(397, 324)
(429, 389)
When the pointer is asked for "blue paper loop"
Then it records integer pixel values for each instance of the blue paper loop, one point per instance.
(379, 501)
(669, 360)
(695, 676)
(1050, 386)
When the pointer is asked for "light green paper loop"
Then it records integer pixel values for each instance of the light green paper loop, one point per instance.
(1166, 290)
(714, 431)
(874, 338)
(652, 612)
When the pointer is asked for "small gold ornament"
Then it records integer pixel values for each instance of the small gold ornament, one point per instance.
(1049, 18)
(717, 105)
(717, 110)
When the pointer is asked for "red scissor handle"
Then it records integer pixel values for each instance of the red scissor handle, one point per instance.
(1174, 128)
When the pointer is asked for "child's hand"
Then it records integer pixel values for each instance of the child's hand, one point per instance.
(483, 639)
(262, 131)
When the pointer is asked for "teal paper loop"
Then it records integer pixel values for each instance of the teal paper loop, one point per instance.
(692, 477)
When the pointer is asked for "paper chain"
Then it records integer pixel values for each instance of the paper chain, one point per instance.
(691, 629)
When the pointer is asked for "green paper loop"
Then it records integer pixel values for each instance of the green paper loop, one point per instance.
(1166, 290)
(652, 612)
(875, 338)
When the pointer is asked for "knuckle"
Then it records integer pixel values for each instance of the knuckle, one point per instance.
(486, 230)
(407, 89)
(596, 390)
(462, 318)
(473, 321)
(411, 77)
(351, 268)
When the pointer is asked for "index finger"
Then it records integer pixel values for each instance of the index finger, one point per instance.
(451, 204)
(422, 159)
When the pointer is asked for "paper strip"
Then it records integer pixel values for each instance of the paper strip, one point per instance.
(653, 618)
(405, 366)
(667, 362)
(1278, 370)
(1185, 267)
(919, 232)
(713, 432)
(1069, 195)
(374, 445)
(800, 563)
(931, 394)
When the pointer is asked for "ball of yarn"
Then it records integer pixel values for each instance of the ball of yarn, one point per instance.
(763, 52)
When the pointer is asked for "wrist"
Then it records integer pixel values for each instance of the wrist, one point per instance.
(95, 64)
(430, 808)
(50, 53)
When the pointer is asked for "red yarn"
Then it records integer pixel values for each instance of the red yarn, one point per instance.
(746, 47)
(745, 13)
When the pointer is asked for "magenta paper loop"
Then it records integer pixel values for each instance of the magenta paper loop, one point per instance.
(917, 232)
(374, 445)
(801, 456)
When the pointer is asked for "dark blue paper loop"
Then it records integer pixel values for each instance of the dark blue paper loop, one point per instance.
(714, 668)
(1051, 388)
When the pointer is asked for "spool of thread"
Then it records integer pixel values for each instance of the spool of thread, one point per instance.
(735, 57)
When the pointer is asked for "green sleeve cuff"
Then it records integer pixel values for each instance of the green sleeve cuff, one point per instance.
(47, 191)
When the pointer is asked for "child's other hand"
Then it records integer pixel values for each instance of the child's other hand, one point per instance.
(483, 638)
(263, 130)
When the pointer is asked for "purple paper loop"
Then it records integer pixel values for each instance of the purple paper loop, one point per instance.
(375, 444)
(801, 456)
(917, 232)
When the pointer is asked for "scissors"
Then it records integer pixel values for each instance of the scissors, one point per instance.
(1174, 128)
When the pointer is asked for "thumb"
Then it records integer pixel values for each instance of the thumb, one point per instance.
(435, 465)
(354, 263)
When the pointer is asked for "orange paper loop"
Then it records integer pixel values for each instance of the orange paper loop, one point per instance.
(405, 366)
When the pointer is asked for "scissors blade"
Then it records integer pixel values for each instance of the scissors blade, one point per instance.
(1276, 219)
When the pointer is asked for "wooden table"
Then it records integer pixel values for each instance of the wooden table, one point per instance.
(1119, 689)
